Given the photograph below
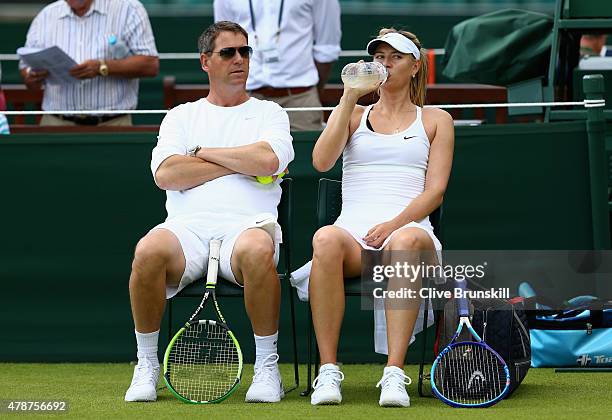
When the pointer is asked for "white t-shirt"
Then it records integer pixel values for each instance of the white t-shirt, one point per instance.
(203, 124)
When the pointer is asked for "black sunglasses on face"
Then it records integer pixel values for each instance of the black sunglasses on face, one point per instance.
(229, 52)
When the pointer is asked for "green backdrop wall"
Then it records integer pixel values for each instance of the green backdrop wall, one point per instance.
(74, 206)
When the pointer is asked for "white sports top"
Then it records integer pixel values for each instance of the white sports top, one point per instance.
(381, 175)
(208, 125)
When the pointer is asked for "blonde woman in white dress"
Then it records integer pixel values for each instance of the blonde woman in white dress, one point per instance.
(397, 159)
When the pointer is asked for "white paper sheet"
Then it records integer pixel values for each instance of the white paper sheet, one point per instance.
(52, 59)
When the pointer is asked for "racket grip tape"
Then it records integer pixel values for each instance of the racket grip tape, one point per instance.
(213, 261)
(463, 308)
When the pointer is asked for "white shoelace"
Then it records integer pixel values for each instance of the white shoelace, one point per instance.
(265, 372)
(145, 372)
(394, 378)
(328, 377)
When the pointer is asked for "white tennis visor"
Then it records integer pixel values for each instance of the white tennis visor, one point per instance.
(397, 41)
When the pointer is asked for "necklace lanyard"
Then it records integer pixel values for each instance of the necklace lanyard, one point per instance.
(280, 18)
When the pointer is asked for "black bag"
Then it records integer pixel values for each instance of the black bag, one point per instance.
(502, 324)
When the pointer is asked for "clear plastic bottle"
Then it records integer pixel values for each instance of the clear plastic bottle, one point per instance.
(363, 75)
(117, 47)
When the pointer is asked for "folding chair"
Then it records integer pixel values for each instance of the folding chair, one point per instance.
(227, 289)
(329, 206)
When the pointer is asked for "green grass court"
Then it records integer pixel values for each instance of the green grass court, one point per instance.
(96, 391)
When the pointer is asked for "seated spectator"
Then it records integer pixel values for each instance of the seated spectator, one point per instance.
(594, 45)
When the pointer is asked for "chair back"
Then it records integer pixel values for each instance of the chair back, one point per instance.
(285, 212)
(329, 202)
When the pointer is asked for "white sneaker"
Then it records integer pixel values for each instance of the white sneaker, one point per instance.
(327, 387)
(144, 382)
(267, 384)
(393, 388)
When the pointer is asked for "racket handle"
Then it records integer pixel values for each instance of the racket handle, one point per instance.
(463, 308)
(213, 261)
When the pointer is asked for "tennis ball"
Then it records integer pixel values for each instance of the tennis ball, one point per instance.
(268, 179)
(264, 179)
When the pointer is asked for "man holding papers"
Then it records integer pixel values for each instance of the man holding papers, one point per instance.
(112, 44)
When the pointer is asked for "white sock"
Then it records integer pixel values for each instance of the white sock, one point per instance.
(328, 366)
(147, 346)
(392, 369)
(265, 346)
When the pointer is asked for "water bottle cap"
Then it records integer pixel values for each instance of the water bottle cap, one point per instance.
(112, 39)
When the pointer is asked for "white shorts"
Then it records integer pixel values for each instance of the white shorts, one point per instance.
(194, 235)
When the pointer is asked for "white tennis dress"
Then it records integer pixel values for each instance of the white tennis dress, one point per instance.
(381, 175)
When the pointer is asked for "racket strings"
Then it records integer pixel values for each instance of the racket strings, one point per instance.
(470, 374)
(204, 363)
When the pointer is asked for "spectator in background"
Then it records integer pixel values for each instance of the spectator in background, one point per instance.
(4, 127)
(594, 45)
(82, 29)
(295, 44)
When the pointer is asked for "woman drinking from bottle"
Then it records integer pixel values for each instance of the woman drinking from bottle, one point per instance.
(397, 159)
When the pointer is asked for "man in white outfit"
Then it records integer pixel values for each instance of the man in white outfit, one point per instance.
(207, 157)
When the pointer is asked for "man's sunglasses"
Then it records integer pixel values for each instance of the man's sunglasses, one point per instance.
(229, 52)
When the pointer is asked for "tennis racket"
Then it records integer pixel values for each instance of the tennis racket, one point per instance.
(469, 373)
(203, 362)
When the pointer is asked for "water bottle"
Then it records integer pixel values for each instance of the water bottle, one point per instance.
(117, 47)
(363, 75)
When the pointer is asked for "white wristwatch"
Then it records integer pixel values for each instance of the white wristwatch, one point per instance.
(194, 151)
(103, 69)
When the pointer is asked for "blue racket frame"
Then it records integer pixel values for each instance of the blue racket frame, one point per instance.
(464, 313)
